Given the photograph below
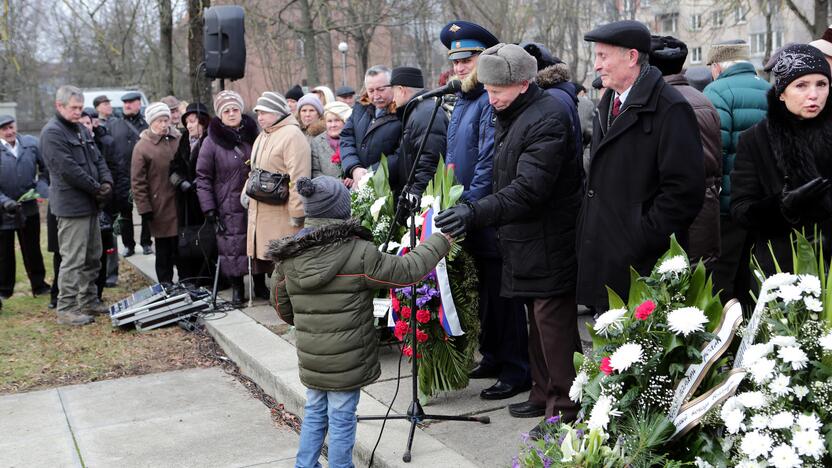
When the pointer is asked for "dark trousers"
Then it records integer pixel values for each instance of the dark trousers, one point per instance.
(56, 270)
(731, 272)
(108, 243)
(127, 230)
(166, 248)
(503, 332)
(553, 340)
(29, 238)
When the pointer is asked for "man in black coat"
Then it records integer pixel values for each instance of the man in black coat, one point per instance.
(80, 182)
(646, 167)
(534, 204)
(372, 129)
(408, 84)
(125, 132)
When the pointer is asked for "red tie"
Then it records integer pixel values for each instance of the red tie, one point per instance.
(616, 107)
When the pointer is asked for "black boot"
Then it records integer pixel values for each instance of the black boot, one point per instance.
(261, 291)
(238, 291)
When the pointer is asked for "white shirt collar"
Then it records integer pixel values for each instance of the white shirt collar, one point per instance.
(12, 149)
(623, 96)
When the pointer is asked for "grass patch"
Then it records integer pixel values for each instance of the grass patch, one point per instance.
(36, 352)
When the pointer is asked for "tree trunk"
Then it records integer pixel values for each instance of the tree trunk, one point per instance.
(200, 85)
(821, 8)
(166, 45)
(310, 49)
(329, 66)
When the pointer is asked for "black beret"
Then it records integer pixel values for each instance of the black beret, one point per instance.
(99, 99)
(197, 108)
(344, 91)
(668, 54)
(90, 112)
(131, 96)
(627, 33)
(540, 53)
(5, 119)
(407, 76)
(295, 92)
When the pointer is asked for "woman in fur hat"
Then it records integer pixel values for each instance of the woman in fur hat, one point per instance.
(781, 177)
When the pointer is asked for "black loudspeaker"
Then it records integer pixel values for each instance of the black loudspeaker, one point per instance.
(224, 40)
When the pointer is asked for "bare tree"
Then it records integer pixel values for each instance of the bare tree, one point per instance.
(819, 18)
(166, 45)
(200, 86)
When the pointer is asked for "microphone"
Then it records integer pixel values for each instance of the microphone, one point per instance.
(450, 88)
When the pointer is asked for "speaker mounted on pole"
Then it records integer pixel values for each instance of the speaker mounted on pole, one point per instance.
(224, 41)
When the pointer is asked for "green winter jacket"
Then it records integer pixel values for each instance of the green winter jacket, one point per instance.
(324, 284)
(739, 96)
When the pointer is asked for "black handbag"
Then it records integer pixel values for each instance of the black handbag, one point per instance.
(268, 187)
(198, 241)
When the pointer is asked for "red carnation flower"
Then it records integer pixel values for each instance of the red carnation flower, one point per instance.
(406, 312)
(421, 336)
(645, 309)
(395, 303)
(605, 366)
(422, 316)
(407, 351)
(336, 157)
(401, 330)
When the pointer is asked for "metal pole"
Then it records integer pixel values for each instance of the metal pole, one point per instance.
(344, 68)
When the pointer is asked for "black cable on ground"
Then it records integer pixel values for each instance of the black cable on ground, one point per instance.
(389, 408)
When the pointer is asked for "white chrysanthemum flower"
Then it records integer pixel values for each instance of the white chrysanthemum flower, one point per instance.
(625, 356)
(746, 463)
(784, 456)
(576, 392)
(731, 404)
(686, 320)
(375, 209)
(781, 420)
(753, 400)
(790, 293)
(756, 444)
(762, 370)
(800, 391)
(808, 422)
(700, 463)
(759, 421)
(825, 342)
(808, 443)
(813, 304)
(754, 353)
(779, 385)
(734, 421)
(777, 280)
(426, 201)
(599, 417)
(793, 355)
(810, 284)
(610, 321)
(783, 341)
(675, 265)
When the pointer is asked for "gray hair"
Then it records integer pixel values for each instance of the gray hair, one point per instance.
(67, 92)
(378, 70)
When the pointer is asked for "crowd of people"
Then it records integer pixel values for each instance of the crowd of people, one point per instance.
(561, 196)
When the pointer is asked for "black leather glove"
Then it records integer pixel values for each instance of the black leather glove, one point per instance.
(147, 216)
(455, 221)
(185, 186)
(792, 200)
(11, 206)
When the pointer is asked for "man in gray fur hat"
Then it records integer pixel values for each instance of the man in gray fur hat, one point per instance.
(534, 205)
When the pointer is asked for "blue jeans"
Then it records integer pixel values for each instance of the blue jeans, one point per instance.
(333, 410)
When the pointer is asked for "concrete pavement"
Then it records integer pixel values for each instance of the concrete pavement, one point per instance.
(187, 418)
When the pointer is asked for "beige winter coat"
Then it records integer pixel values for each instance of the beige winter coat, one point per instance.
(281, 148)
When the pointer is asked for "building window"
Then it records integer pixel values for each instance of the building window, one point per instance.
(668, 23)
(718, 18)
(739, 14)
(695, 22)
(696, 55)
(758, 42)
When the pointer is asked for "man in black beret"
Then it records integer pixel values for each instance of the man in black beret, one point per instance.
(408, 84)
(293, 96)
(634, 200)
(346, 95)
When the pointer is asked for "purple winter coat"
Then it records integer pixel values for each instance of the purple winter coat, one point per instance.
(221, 174)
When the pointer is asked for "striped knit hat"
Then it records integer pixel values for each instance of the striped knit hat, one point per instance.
(227, 98)
(272, 102)
(156, 110)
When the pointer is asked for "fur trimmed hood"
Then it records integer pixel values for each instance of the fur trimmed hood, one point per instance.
(314, 129)
(227, 138)
(328, 234)
(553, 75)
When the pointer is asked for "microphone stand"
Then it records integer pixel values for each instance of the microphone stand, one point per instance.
(415, 413)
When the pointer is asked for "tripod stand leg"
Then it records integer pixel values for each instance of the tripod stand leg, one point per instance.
(406, 456)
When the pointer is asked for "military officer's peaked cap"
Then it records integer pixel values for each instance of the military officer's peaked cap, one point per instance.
(464, 39)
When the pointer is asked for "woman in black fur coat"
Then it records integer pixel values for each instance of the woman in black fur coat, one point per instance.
(783, 169)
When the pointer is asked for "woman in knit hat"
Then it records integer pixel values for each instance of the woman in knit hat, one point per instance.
(310, 114)
(326, 153)
(325, 281)
(221, 173)
(280, 149)
(781, 177)
(153, 194)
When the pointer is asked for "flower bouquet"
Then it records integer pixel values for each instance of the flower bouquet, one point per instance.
(649, 357)
(447, 299)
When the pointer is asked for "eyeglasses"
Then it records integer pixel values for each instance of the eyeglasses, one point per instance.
(377, 90)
